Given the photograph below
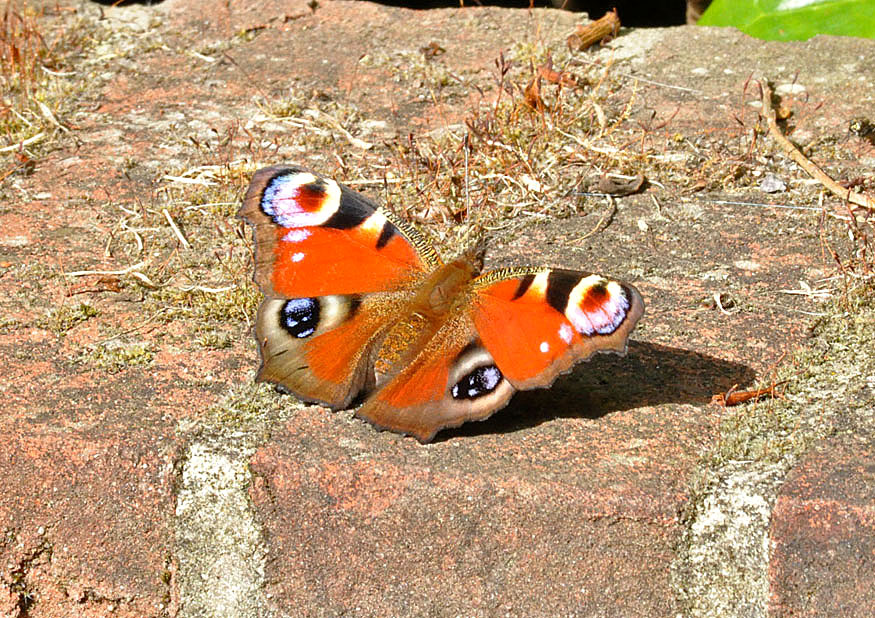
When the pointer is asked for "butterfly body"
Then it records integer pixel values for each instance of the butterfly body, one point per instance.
(358, 303)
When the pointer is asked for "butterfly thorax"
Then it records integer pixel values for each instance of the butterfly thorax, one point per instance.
(437, 299)
(444, 289)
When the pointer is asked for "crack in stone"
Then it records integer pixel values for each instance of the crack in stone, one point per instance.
(722, 565)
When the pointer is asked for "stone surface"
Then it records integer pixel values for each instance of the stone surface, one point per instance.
(133, 463)
(86, 519)
(823, 532)
(573, 513)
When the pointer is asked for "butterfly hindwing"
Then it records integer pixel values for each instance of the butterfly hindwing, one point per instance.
(537, 323)
(452, 380)
(322, 348)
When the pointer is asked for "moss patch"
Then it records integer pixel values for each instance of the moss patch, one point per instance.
(61, 319)
(115, 357)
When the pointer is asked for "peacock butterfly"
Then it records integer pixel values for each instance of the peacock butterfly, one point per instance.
(357, 302)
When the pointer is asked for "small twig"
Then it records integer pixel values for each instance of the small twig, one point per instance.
(30, 140)
(335, 124)
(205, 289)
(145, 281)
(377, 181)
(50, 116)
(467, 146)
(598, 31)
(761, 205)
(189, 181)
(733, 397)
(103, 284)
(136, 328)
(58, 73)
(605, 218)
(768, 113)
(575, 61)
(175, 229)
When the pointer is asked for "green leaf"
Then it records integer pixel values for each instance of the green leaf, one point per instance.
(794, 20)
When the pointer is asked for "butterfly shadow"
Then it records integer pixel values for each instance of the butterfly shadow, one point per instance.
(649, 375)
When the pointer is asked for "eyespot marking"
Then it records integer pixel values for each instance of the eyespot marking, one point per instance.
(482, 381)
(300, 199)
(597, 306)
(300, 316)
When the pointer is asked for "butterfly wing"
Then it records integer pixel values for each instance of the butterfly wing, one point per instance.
(322, 348)
(453, 379)
(333, 269)
(338, 274)
(315, 236)
(521, 329)
(537, 323)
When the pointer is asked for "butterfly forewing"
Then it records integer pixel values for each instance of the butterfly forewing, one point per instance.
(314, 237)
(538, 323)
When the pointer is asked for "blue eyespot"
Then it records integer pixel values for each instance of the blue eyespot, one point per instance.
(478, 383)
(300, 316)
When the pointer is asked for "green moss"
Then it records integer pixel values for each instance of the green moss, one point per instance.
(208, 308)
(214, 340)
(822, 379)
(7, 324)
(251, 407)
(283, 107)
(114, 357)
(61, 319)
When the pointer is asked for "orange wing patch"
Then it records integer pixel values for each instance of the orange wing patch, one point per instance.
(524, 335)
(334, 355)
(315, 237)
(451, 381)
(321, 349)
(317, 261)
